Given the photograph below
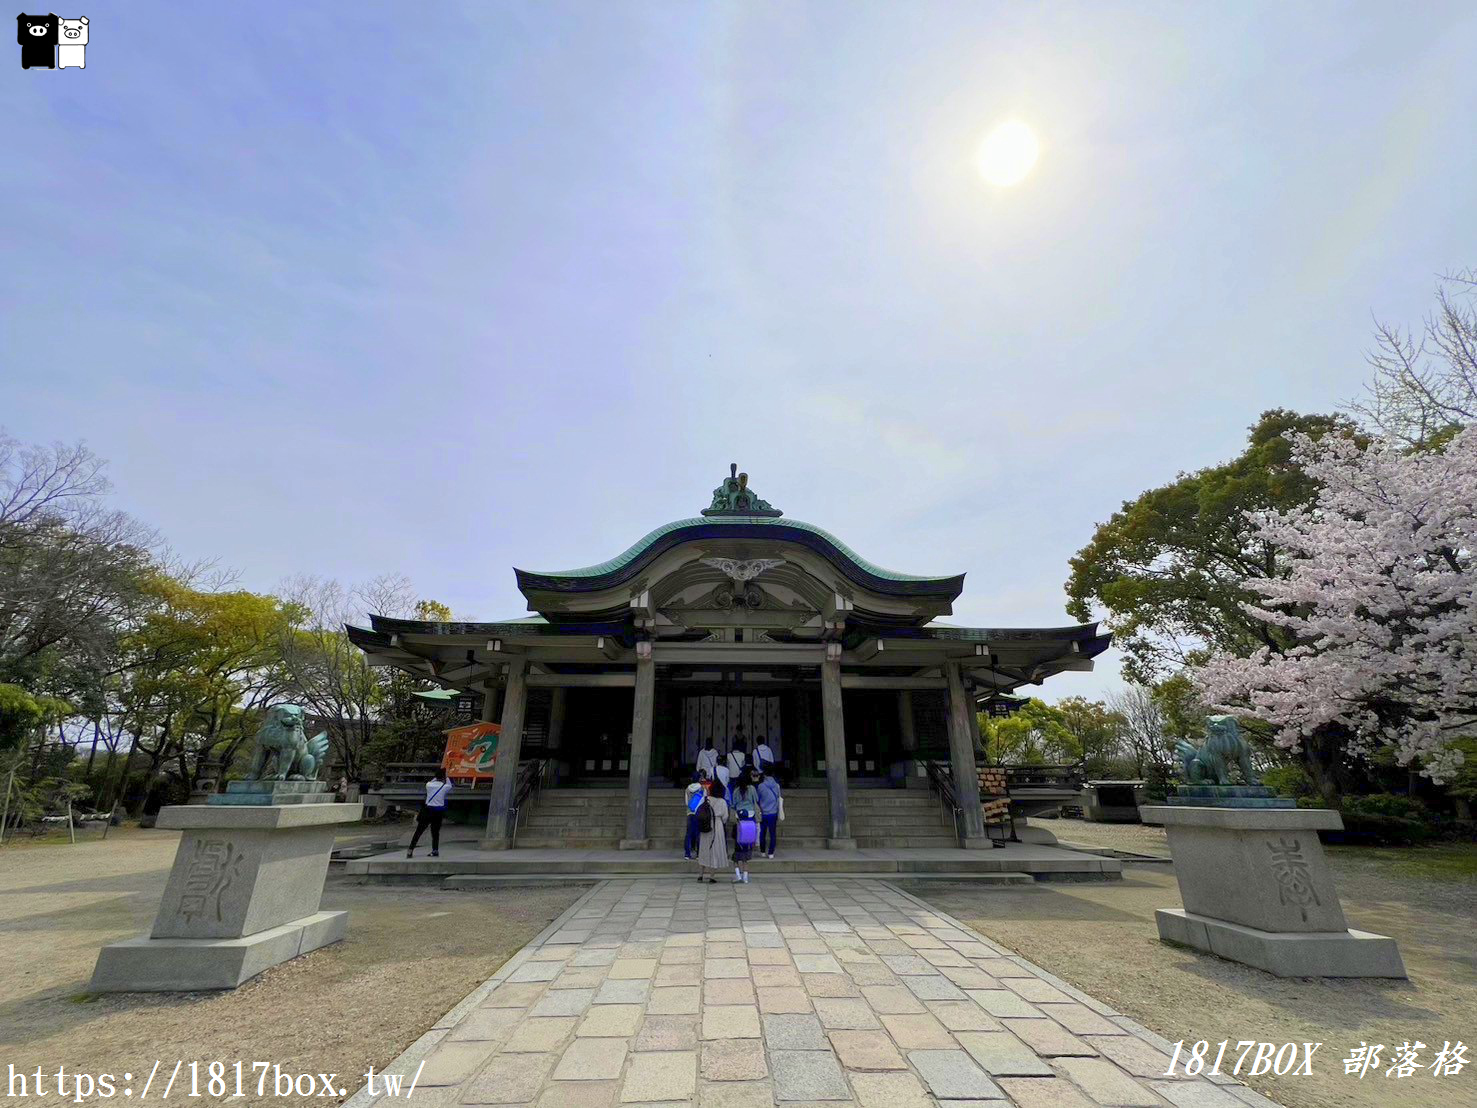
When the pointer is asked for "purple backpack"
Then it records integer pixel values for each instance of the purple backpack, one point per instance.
(748, 832)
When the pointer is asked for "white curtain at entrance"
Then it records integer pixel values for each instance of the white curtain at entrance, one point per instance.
(720, 720)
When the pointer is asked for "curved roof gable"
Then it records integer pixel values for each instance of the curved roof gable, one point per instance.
(632, 561)
(738, 512)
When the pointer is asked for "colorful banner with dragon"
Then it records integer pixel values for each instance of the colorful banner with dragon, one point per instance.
(471, 751)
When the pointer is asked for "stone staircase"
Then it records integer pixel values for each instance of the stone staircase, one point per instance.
(596, 818)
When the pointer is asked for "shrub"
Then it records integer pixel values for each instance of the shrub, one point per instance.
(1288, 781)
(1156, 784)
(1386, 818)
(1387, 804)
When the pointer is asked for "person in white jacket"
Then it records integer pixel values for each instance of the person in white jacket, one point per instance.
(432, 812)
(737, 759)
(707, 761)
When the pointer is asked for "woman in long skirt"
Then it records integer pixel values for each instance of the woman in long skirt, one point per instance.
(712, 846)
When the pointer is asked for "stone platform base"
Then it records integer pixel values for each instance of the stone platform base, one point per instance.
(1286, 954)
(465, 859)
(188, 965)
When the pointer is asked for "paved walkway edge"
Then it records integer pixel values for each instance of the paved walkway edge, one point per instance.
(1242, 1092)
(408, 1059)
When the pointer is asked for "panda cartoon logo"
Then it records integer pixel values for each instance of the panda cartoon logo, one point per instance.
(71, 51)
(37, 35)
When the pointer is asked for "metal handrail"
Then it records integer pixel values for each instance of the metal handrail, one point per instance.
(941, 783)
(530, 783)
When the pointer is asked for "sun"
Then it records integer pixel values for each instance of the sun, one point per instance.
(1008, 154)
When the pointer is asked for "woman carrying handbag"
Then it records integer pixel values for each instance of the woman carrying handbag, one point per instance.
(712, 849)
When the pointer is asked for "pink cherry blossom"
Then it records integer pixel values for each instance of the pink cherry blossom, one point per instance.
(1380, 596)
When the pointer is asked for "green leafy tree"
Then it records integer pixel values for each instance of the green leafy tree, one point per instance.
(1181, 709)
(369, 712)
(432, 611)
(194, 673)
(1166, 569)
(23, 715)
(70, 568)
(1035, 734)
(1095, 733)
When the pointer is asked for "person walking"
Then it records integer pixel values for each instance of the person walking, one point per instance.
(712, 847)
(432, 812)
(745, 808)
(763, 755)
(771, 811)
(737, 759)
(694, 796)
(707, 760)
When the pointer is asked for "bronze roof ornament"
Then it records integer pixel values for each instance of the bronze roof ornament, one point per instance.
(734, 498)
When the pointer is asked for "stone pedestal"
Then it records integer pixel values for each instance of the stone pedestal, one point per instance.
(243, 896)
(1257, 889)
(264, 793)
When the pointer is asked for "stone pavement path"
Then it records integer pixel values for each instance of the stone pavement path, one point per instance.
(785, 991)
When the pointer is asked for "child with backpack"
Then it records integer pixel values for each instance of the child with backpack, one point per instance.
(712, 849)
(745, 808)
(695, 794)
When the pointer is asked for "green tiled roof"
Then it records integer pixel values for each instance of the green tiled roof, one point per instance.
(620, 561)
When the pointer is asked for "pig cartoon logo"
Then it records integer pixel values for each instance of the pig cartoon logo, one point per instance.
(37, 37)
(48, 42)
(71, 50)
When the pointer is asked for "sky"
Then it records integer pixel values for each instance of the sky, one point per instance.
(347, 290)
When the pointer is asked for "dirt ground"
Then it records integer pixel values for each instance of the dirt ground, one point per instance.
(410, 955)
(1101, 938)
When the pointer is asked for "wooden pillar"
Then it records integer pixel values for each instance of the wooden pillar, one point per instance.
(556, 718)
(643, 711)
(509, 747)
(799, 747)
(835, 732)
(905, 722)
(963, 735)
(489, 703)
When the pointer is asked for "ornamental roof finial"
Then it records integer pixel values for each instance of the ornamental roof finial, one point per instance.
(734, 498)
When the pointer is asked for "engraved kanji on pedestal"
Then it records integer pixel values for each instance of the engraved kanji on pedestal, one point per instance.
(246, 889)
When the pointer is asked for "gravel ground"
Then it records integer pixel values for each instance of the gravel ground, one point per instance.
(410, 955)
(1101, 938)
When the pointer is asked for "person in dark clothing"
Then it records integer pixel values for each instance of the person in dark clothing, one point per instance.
(432, 812)
(694, 832)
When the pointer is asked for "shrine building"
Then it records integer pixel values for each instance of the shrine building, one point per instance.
(736, 626)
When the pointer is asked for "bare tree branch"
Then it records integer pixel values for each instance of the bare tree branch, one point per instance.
(1424, 386)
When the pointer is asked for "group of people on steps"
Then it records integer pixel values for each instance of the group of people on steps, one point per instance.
(732, 789)
(737, 791)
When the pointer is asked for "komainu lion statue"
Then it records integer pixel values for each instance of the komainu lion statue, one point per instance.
(283, 741)
(1223, 747)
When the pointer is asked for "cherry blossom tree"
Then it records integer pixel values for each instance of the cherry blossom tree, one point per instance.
(1377, 588)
